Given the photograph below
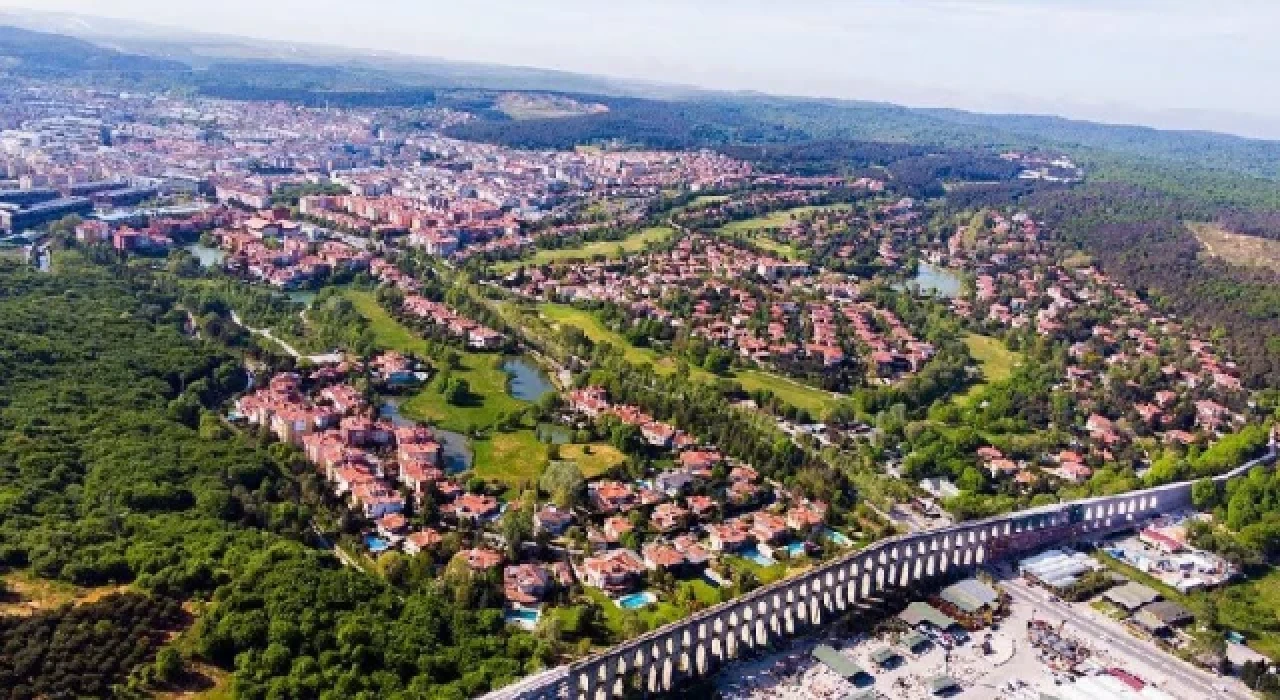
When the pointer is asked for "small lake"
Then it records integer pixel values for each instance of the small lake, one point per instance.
(302, 296)
(940, 280)
(528, 383)
(208, 257)
(457, 450)
(456, 446)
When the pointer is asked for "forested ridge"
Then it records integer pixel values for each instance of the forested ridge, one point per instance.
(1141, 238)
(114, 468)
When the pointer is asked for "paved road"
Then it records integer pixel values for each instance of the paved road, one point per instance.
(1180, 678)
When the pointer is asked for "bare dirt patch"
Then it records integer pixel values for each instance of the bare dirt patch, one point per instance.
(28, 594)
(1236, 248)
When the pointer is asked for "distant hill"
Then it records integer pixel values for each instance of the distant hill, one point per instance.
(43, 55)
(1220, 168)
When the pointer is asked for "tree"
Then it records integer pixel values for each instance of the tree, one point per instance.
(1204, 494)
(626, 437)
(168, 665)
(456, 391)
(564, 482)
(1241, 509)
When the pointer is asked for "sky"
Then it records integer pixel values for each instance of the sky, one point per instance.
(1169, 63)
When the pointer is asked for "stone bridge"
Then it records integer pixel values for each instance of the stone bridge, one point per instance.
(699, 643)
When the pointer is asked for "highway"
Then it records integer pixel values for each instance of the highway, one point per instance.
(1110, 637)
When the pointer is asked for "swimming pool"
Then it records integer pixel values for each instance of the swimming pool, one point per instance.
(839, 539)
(636, 601)
(524, 617)
(376, 544)
(795, 549)
(753, 554)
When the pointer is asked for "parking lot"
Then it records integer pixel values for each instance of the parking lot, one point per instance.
(1012, 670)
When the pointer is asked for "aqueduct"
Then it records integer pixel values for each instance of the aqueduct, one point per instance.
(699, 643)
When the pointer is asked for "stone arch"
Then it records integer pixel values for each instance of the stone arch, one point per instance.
(701, 660)
(815, 611)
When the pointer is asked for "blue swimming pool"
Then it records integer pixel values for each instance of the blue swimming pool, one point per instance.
(376, 544)
(636, 601)
(753, 554)
(524, 617)
(839, 539)
(795, 549)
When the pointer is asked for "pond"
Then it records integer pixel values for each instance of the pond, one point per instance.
(208, 257)
(933, 278)
(457, 450)
(302, 296)
(528, 383)
(456, 446)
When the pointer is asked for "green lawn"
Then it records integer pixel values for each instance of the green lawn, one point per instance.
(586, 322)
(764, 574)
(816, 401)
(601, 459)
(654, 616)
(777, 219)
(481, 370)
(387, 331)
(995, 360)
(708, 199)
(514, 458)
(813, 400)
(634, 243)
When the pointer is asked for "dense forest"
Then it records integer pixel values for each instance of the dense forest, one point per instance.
(83, 651)
(1140, 237)
(115, 468)
(650, 123)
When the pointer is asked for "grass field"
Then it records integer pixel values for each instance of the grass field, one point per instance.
(586, 322)
(513, 458)
(30, 594)
(815, 401)
(1238, 249)
(634, 243)
(657, 614)
(994, 360)
(386, 329)
(777, 219)
(654, 616)
(601, 458)
(708, 199)
(482, 371)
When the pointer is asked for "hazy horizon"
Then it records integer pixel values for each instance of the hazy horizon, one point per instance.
(1163, 63)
